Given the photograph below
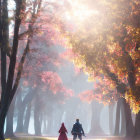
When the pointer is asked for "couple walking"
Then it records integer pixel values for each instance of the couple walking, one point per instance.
(77, 130)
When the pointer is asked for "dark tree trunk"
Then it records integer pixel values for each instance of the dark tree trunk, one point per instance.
(27, 119)
(95, 122)
(11, 84)
(10, 116)
(137, 125)
(127, 127)
(4, 38)
(111, 126)
(3, 66)
(9, 121)
(117, 122)
(7, 95)
(0, 23)
(123, 121)
(4, 41)
(19, 127)
(3, 72)
(129, 122)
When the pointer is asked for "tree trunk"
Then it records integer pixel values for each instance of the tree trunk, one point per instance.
(137, 125)
(19, 127)
(129, 122)
(95, 122)
(20, 114)
(27, 119)
(10, 116)
(3, 72)
(117, 122)
(8, 95)
(49, 123)
(9, 121)
(45, 127)
(3, 66)
(4, 38)
(21, 109)
(37, 122)
(44, 124)
(111, 126)
(4, 110)
(11, 87)
(123, 121)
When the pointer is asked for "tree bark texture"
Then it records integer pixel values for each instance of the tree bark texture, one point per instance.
(6, 97)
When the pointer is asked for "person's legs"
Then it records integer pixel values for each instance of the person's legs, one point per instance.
(74, 137)
(80, 137)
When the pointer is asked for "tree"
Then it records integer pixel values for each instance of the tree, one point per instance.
(96, 129)
(110, 49)
(10, 85)
(26, 23)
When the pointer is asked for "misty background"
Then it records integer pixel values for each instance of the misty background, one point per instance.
(37, 110)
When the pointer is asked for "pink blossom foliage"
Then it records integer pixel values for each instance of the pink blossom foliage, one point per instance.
(87, 96)
(55, 83)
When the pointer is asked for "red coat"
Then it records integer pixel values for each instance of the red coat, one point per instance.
(63, 132)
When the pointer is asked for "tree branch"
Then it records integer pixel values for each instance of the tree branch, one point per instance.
(121, 87)
(28, 32)
(130, 66)
(20, 67)
(14, 51)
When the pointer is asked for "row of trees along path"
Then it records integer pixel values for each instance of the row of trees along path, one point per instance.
(15, 44)
(108, 49)
(109, 52)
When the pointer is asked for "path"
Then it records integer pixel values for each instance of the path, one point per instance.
(25, 137)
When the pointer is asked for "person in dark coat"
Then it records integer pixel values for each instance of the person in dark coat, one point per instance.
(77, 130)
(63, 131)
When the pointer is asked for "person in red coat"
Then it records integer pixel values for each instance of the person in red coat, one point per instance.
(63, 131)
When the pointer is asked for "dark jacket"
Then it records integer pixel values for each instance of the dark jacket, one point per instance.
(77, 129)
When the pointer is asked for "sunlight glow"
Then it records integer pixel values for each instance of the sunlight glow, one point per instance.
(79, 12)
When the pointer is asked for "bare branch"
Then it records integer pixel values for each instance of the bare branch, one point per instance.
(28, 32)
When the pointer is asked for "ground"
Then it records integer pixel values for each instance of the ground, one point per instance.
(55, 138)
